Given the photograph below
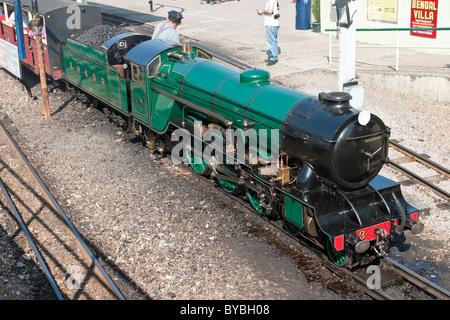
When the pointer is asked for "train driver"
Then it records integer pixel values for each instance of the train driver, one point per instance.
(166, 31)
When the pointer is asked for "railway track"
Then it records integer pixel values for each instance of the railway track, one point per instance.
(71, 268)
(409, 156)
(430, 288)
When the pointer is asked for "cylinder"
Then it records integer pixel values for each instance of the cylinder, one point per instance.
(303, 15)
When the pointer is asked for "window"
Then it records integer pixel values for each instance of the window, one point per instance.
(153, 67)
(137, 73)
(134, 72)
(203, 54)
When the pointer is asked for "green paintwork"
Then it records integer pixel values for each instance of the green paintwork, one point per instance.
(293, 211)
(86, 68)
(139, 102)
(254, 76)
(90, 52)
(202, 82)
(161, 111)
(270, 105)
(235, 96)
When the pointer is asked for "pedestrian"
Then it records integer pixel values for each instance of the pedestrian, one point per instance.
(272, 24)
(166, 31)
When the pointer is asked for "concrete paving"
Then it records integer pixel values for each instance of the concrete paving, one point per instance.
(234, 28)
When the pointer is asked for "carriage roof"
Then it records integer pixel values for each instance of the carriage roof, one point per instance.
(45, 6)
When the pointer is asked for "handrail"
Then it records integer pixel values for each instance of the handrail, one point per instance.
(397, 46)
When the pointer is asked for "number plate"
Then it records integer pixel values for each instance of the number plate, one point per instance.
(368, 234)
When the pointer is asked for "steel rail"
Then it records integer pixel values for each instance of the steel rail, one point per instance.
(98, 268)
(33, 245)
(374, 293)
(428, 163)
(418, 280)
(414, 176)
(417, 157)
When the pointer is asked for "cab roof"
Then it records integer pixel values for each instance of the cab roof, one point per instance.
(143, 53)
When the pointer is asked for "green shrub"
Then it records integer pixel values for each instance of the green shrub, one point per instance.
(316, 10)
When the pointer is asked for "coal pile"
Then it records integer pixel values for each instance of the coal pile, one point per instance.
(95, 37)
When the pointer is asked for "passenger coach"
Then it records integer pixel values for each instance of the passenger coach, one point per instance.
(60, 18)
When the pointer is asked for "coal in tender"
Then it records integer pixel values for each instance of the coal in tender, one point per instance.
(95, 37)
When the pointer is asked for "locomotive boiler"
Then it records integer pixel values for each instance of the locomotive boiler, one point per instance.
(346, 146)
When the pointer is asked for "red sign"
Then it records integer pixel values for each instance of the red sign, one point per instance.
(424, 15)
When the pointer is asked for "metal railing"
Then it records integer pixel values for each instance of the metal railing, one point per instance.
(397, 46)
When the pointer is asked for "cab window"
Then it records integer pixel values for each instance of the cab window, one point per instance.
(153, 67)
(203, 54)
(137, 73)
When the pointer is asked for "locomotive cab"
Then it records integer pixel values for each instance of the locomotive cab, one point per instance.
(144, 61)
(154, 68)
(117, 47)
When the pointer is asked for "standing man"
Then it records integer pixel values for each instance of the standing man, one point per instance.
(272, 24)
(166, 31)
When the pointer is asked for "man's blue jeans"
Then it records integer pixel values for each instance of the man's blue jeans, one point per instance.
(272, 42)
